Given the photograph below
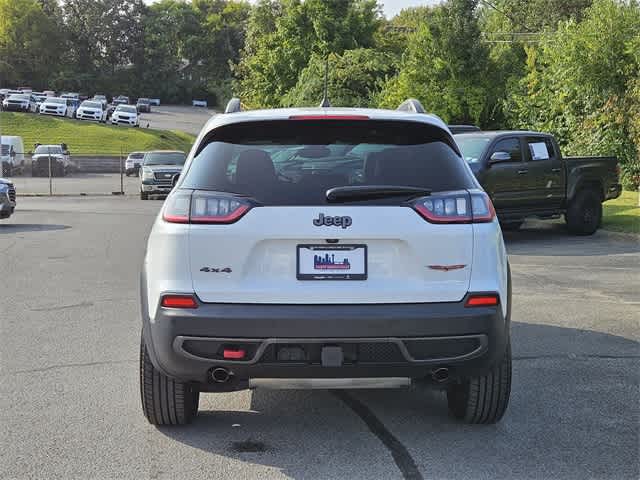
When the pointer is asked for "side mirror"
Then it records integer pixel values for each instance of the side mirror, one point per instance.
(498, 157)
(175, 179)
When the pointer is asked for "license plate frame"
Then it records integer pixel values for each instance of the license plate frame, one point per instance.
(324, 276)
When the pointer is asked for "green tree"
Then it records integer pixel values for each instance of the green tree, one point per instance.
(29, 43)
(270, 66)
(355, 79)
(581, 81)
(445, 66)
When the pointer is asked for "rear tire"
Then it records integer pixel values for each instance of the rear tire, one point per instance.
(482, 400)
(584, 214)
(144, 196)
(165, 401)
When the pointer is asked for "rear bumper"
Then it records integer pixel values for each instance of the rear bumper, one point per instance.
(379, 340)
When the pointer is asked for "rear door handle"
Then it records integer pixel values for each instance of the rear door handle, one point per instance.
(556, 170)
(522, 172)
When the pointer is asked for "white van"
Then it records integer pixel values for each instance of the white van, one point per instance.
(11, 154)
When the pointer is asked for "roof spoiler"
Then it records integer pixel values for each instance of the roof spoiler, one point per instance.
(411, 105)
(234, 106)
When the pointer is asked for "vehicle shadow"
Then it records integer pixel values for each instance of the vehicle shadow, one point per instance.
(536, 238)
(571, 415)
(6, 228)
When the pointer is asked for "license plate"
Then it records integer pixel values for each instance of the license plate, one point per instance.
(332, 262)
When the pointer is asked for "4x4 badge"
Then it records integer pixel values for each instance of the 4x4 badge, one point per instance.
(328, 221)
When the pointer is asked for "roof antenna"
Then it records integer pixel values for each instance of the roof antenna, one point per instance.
(325, 99)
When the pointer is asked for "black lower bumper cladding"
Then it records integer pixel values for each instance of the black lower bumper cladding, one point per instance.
(291, 341)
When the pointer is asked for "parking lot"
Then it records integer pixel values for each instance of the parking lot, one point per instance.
(70, 404)
(177, 117)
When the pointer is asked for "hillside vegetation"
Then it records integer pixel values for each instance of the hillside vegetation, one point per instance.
(89, 138)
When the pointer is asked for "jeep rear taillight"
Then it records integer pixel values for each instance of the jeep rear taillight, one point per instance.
(204, 208)
(456, 207)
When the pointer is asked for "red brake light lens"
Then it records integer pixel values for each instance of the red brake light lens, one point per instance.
(179, 301)
(456, 207)
(204, 208)
(486, 300)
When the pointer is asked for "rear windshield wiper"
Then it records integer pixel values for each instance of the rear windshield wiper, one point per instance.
(371, 192)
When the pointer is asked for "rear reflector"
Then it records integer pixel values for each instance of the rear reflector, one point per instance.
(231, 354)
(328, 117)
(179, 301)
(490, 300)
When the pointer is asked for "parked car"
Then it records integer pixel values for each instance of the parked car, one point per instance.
(58, 106)
(11, 155)
(19, 102)
(525, 175)
(132, 163)
(90, 110)
(102, 99)
(39, 98)
(121, 100)
(59, 158)
(7, 198)
(72, 95)
(49, 93)
(375, 267)
(155, 101)
(143, 105)
(125, 115)
(159, 169)
(199, 103)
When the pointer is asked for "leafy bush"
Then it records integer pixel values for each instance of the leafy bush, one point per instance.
(630, 176)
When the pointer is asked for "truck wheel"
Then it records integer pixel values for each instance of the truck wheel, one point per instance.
(584, 214)
(165, 401)
(144, 196)
(482, 399)
(6, 169)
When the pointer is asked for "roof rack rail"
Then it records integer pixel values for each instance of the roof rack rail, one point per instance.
(411, 105)
(233, 106)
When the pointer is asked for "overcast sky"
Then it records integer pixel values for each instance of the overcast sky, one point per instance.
(390, 7)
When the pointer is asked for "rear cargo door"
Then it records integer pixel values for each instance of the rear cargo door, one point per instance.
(294, 247)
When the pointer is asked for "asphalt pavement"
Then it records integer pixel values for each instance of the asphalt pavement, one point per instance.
(177, 117)
(69, 392)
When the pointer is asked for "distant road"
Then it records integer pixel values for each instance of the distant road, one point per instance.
(177, 117)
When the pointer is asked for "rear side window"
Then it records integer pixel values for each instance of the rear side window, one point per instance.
(294, 162)
(540, 148)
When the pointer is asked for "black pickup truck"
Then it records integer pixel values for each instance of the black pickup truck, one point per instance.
(525, 175)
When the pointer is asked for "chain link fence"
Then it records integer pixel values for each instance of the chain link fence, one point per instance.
(53, 170)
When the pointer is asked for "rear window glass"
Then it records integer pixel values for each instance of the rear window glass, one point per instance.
(296, 162)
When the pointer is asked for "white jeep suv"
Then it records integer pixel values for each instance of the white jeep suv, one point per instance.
(325, 248)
